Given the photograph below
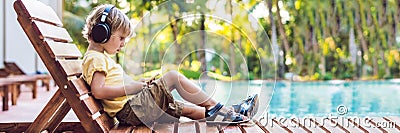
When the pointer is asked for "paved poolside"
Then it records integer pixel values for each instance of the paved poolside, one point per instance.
(27, 108)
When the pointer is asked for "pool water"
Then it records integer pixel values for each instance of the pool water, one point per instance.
(287, 99)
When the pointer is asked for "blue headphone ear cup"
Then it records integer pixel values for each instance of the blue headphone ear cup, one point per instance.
(101, 33)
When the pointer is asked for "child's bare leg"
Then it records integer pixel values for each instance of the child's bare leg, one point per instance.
(193, 112)
(192, 93)
(187, 89)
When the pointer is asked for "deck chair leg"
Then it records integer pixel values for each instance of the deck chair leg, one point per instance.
(5, 97)
(58, 117)
(46, 82)
(34, 90)
(14, 93)
(52, 114)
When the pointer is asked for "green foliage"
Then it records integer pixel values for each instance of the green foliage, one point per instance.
(75, 24)
(318, 33)
(190, 73)
(328, 76)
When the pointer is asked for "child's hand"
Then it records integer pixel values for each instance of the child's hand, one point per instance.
(152, 79)
(144, 79)
(148, 81)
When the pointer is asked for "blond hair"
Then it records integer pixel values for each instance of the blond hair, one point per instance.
(115, 19)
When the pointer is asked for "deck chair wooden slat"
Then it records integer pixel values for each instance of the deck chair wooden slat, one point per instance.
(141, 129)
(13, 68)
(124, 129)
(252, 129)
(81, 90)
(164, 128)
(72, 67)
(105, 122)
(231, 129)
(92, 105)
(50, 31)
(63, 50)
(34, 11)
(207, 129)
(186, 127)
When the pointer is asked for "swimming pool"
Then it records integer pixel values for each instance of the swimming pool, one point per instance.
(321, 98)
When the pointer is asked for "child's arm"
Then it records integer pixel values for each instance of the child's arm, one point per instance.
(101, 91)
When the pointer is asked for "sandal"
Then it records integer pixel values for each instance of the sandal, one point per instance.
(220, 115)
(248, 107)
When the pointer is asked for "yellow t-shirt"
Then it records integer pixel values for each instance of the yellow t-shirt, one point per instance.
(96, 61)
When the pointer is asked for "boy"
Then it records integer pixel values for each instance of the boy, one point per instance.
(133, 102)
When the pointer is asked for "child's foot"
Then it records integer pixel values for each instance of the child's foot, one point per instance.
(223, 115)
(247, 107)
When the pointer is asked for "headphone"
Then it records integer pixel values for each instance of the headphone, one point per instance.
(101, 32)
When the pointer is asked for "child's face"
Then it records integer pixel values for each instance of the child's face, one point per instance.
(115, 44)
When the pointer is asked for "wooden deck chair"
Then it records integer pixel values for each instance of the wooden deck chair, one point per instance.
(5, 88)
(9, 84)
(24, 79)
(15, 82)
(62, 59)
(14, 69)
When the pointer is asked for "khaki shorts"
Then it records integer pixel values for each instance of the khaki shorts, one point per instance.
(154, 104)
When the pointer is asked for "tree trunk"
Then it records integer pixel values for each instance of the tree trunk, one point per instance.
(393, 31)
(202, 52)
(360, 23)
(396, 20)
(232, 46)
(309, 43)
(282, 30)
(274, 40)
(175, 32)
(284, 39)
(333, 19)
(353, 52)
(373, 42)
(325, 34)
(381, 48)
(310, 18)
(380, 45)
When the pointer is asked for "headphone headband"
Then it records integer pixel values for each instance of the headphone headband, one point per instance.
(105, 13)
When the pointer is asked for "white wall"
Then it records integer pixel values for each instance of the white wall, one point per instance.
(18, 48)
(1, 33)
